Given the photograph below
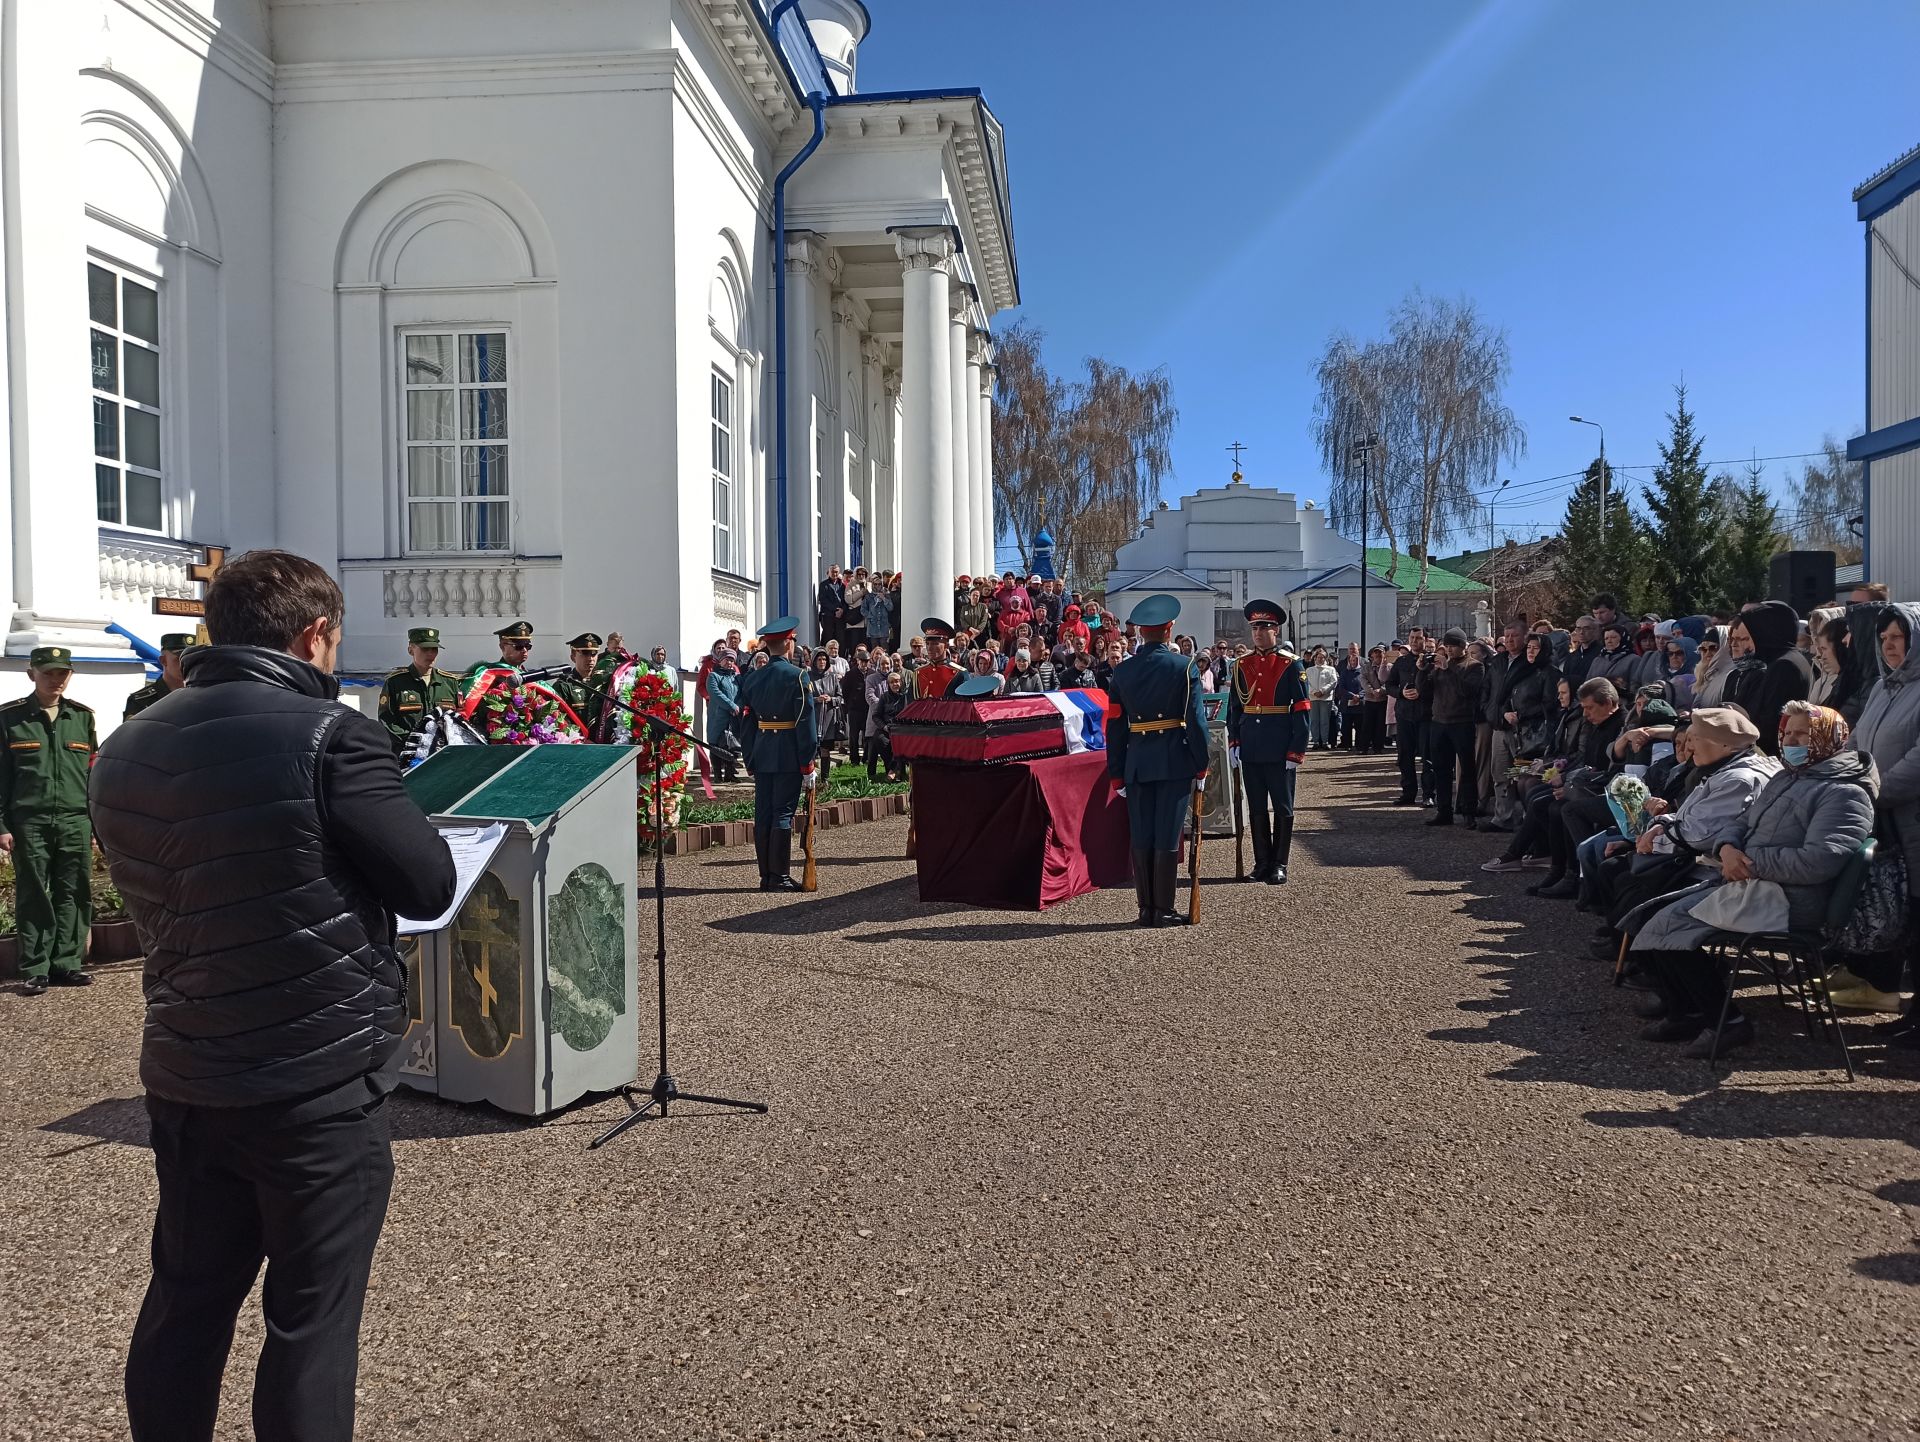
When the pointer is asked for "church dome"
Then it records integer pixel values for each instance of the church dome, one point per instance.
(838, 27)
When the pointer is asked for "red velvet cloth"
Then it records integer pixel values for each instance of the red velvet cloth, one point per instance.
(1021, 836)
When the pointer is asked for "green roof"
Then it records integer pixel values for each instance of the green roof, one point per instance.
(1440, 580)
(1466, 563)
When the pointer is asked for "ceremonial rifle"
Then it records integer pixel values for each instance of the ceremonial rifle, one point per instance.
(1239, 828)
(810, 880)
(1193, 900)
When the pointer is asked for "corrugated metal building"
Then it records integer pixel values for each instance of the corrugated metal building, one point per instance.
(1889, 452)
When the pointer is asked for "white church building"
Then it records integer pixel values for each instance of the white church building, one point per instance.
(1227, 545)
(475, 301)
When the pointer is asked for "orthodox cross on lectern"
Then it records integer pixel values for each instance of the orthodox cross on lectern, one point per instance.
(488, 915)
(216, 558)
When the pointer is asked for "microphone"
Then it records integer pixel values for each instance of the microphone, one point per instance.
(546, 673)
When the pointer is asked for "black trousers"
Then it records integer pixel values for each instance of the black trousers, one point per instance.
(1692, 983)
(856, 726)
(1410, 747)
(1373, 726)
(309, 1201)
(1453, 744)
(1268, 788)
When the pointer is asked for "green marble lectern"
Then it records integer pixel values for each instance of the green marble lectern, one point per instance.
(528, 998)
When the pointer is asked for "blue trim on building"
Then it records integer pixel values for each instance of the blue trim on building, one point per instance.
(1866, 466)
(1887, 441)
(1888, 192)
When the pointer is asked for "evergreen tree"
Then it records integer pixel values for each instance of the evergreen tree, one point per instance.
(1749, 535)
(1684, 521)
(1585, 566)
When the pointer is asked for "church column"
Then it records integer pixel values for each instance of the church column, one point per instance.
(960, 324)
(54, 522)
(979, 447)
(887, 489)
(804, 566)
(990, 525)
(926, 427)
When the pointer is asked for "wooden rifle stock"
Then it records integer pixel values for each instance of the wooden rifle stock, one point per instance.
(810, 879)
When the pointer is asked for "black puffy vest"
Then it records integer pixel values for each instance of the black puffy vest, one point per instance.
(270, 971)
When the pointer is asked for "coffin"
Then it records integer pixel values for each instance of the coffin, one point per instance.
(994, 729)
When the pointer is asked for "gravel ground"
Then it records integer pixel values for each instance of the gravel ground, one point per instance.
(1368, 1157)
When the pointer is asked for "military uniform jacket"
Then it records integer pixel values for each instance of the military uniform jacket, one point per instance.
(587, 705)
(935, 679)
(776, 726)
(407, 699)
(44, 764)
(1267, 708)
(1155, 686)
(145, 697)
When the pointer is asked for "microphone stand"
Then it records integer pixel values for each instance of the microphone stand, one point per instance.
(664, 1089)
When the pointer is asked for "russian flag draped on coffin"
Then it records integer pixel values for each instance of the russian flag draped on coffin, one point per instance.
(988, 730)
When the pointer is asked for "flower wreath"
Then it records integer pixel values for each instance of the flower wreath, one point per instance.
(645, 689)
(512, 712)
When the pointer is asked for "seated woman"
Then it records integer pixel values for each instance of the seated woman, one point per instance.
(1529, 846)
(1727, 771)
(1800, 832)
(1889, 732)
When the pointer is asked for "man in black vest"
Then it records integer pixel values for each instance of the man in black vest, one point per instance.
(264, 841)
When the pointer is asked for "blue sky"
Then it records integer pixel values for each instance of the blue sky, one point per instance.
(1637, 192)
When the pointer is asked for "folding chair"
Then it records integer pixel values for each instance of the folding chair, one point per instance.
(1798, 960)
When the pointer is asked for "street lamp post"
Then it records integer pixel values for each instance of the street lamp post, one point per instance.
(1362, 451)
(1603, 475)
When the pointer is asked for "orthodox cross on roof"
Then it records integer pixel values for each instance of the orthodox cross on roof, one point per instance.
(1236, 448)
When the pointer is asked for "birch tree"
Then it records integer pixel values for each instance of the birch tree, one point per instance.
(1084, 459)
(1432, 391)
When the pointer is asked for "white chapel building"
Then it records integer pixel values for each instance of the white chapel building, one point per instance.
(475, 302)
(1224, 546)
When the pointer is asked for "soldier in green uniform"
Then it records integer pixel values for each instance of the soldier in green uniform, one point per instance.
(516, 645)
(413, 692)
(46, 750)
(172, 645)
(581, 689)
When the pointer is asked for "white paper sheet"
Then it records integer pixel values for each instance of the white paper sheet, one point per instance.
(472, 848)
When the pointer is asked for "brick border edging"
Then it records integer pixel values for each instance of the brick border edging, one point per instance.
(851, 812)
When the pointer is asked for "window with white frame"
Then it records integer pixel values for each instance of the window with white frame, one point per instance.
(124, 324)
(721, 411)
(456, 453)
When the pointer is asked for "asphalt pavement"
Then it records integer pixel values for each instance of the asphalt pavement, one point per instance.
(1373, 1155)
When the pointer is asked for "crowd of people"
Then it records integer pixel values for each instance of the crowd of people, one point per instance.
(1642, 766)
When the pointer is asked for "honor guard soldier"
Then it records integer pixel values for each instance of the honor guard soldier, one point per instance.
(581, 689)
(779, 736)
(1157, 746)
(1267, 708)
(46, 751)
(172, 645)
(516, 644)
(412, 693)
(936, 678)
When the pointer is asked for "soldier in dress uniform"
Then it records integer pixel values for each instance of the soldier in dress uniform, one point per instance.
(1267, 708)
(1157, 747)
(581, 689)
(412, 693)
(779, 737)
(172, 646)
(46, 751)
(936, 678)
(516, 645)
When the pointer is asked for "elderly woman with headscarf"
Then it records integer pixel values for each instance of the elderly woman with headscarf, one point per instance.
(1712, 663)
(1775, 672)
(1889, 732)
(1679, 655)
(1800, 832)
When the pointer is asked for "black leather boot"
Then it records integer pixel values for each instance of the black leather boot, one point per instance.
(1143, 885)
(1282, 850)
(1166, 889)
(782, 878)
(762, 848)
